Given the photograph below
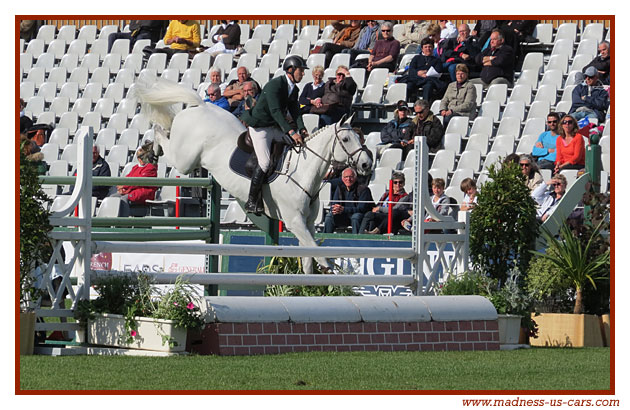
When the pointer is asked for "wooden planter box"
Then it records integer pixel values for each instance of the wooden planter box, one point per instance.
(109, 330)
(567, 330)
(509, 329)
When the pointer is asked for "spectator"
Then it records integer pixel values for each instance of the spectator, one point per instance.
(213, 96)
(460, 50)
(350, 202)
(590, 99)
(251, 96)
(601, 62)
(398, 133)
(545, 147)
(376, 220)
(34, 156)
(138, 30)
(441, 202)
(497, 62)
(385, 51)
(365, 43)
(428, 125)
(182, 36)
(138, 195)
(517, 32)
(469, 188)
(29, 29)
(460, 98)
(345, 38)
(408, 223)
(533, 178)
(313, 92)
(447, 28)
(337, 99)
(570, 151)
(424, 71)
(482, 31)
(100, 168)
(226, 39)
(214, 75)
(413, 33)
(548, 201)
(234, 90)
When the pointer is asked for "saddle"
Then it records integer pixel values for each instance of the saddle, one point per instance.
(244, 161)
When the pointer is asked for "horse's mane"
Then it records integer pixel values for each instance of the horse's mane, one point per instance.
(321, 130)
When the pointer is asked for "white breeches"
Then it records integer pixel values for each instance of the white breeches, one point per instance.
(261, 139)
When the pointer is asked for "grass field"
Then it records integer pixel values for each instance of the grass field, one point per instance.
(527, 369)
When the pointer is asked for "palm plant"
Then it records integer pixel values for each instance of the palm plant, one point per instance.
(575, 260)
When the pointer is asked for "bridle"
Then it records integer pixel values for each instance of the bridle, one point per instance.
(351, 160)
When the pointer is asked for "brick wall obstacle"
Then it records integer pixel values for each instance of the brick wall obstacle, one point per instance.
(273, 325)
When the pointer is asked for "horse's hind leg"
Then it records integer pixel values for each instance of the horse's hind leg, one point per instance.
(305, 236)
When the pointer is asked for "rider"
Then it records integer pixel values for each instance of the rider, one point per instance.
(267, 122)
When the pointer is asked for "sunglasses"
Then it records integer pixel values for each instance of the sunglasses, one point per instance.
(398, 183)
(385, 31)
(340, 75)
(552, 122)
(567, 122)
(525, 165)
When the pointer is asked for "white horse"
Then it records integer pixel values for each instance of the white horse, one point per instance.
(206, 135)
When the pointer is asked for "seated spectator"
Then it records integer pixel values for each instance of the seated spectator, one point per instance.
(33, 156)
(601, 62)
(182, 36)
(460, 98)
(138, 30)
(590, 99)
(213, 96)
(312, 92)
(138, 195)
(337, 99)
(447, 28)
(234, 90)
(428, 125)
(39, 134)
(398, 133)
(407, 223)
(385, 52)
(443, 204)
(517, 32)
(413, 33)
(215, 77)
(482, 31)
(345, 38)
(226, 39)
(424, 71)
(376, 220)
(533, 178)
(365, 43)
(100, 168)
(251, 96)
(460, 50)
(469, 188)
(349, 203)
(545, 147)
(570, 151)
(497, 62)
(548, 201)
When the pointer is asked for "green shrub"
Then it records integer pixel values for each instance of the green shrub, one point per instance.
(550, 289)
(503, 225)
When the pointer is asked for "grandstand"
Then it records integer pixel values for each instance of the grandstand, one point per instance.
(68, 79)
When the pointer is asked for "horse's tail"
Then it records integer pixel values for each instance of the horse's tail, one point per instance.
(157, 100)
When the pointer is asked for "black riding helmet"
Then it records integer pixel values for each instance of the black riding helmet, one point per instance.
(293, 62)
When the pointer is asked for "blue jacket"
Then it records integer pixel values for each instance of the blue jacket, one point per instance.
(396, 131)
(422, 62)
(548, 141)
(221, 102)
(596, 99)
(359, 193)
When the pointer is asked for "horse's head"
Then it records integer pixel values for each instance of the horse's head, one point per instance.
(348, 147)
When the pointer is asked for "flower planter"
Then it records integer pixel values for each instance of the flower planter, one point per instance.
(109, 330)
(605, 325)
(567, 330)
(509, 329)
(27, 332)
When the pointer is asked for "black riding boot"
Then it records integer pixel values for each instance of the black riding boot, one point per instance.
(254, 202)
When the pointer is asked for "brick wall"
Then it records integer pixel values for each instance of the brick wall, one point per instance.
(228, 339)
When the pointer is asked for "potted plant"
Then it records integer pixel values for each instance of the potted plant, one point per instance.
(576, 266)
(35, 247)
(132, 312)
(512, 303)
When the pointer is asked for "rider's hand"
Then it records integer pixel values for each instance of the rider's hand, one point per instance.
(303, 134)
(297, 138)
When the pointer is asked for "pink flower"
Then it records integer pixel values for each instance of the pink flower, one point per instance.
(175, 303)
(133, 333)
(190, 306)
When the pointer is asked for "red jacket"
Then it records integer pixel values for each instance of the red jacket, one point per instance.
(573, 153)
(139, 194)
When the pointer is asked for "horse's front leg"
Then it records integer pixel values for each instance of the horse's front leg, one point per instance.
(305, 236)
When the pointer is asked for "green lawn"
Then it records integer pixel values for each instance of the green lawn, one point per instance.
(527, 369)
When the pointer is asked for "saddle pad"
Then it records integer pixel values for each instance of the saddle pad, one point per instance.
(239, 159)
